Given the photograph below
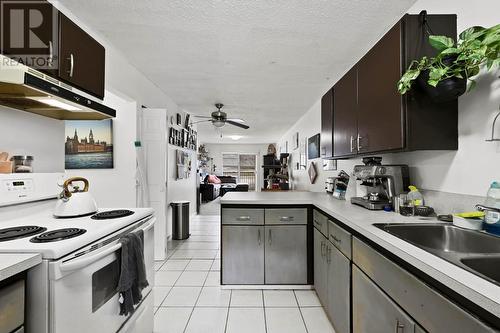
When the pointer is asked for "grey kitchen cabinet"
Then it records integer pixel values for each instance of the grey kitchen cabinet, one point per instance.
(242, 254)
(338, 289)
(320, 266)
(426, 306)
(332, 276)
(373, 311)
(286, 254)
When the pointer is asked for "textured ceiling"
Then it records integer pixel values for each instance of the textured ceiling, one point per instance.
(268, 61)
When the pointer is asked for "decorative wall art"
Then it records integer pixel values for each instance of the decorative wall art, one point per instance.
(89, 144)
(295, 141)
(303, 155)
(184, 164)
(185, 137)
(313, 147)
(313, 174)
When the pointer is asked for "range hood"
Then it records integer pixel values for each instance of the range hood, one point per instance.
(27, 89)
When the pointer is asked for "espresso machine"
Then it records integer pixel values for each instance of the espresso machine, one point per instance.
(378, 185)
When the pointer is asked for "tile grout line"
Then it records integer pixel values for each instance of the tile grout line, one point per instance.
(300, 311)
(264, 309)
(228, 308)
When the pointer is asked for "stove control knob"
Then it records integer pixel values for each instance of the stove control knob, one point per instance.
(382, 170)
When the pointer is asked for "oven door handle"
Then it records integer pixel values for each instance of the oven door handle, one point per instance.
(91, 258)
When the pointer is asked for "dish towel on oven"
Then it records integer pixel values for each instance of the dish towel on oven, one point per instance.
(132, 272)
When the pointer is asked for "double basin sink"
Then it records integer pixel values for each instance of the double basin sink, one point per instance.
(475, 251)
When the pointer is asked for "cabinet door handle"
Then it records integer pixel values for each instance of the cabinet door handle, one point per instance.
(329, 255)
(71, 64)
(322, 248)
(338, 240)
(286, 218)
(352, 146)
(259, 237)
(51, 53)
(243, 218)
(400, 328)
(358, 142)
(270, 237)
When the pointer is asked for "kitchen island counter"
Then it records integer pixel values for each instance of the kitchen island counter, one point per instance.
(445, 276)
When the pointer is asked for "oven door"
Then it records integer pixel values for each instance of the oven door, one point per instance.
(83, 295)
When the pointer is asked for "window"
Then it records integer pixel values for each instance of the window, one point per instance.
(241, 166)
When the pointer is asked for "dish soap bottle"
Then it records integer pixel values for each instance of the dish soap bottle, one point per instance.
(415, 196)
(492, 217)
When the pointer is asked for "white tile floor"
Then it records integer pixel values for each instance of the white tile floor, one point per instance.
(188, 297)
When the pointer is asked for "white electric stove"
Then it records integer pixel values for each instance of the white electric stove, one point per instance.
(74, 289)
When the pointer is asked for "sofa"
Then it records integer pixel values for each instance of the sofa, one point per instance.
(211, 191)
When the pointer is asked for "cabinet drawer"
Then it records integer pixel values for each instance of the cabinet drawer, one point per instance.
(430, 309)
(320, 222)
(340, 238)
(286, 216)
(243, 216)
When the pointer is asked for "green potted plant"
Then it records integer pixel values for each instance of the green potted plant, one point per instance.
(445, 76)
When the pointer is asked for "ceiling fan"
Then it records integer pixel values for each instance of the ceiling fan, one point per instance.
(219, 119)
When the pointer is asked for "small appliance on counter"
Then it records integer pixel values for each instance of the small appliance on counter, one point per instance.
(377, 185)
(22, 164)
(74, 201)
(337, 186)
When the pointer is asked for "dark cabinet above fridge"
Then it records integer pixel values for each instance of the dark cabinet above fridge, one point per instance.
(367, 113)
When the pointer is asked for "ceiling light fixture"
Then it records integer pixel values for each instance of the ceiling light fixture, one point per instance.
(218, 123)
(235, 137)
(56, 103)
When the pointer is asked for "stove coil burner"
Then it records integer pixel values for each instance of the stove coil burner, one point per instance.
(19, 232)
(58, 235)
(112, 214)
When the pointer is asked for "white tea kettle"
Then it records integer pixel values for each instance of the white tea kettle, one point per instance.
(73, 201)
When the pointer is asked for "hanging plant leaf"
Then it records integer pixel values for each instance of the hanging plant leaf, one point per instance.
(441, 43)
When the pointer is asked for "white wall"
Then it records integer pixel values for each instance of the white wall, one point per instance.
(25, 133)
(215, 151)
(471, 168)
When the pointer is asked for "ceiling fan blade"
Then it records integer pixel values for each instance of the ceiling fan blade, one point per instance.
(197, 116)
(237, 120)
(201, 121)
(238, 124)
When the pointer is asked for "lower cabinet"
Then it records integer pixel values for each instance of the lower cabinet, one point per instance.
(373, 311)
(286, 254)
(264, 246)
(243, 254)
(332, 282)
(338, 290)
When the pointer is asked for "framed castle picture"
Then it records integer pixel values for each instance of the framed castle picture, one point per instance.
(89, 144)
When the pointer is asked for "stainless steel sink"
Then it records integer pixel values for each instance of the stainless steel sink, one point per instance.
(445, 237)
(486, 266)
(475, 251)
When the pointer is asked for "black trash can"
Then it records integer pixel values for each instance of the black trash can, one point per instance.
(180, 219)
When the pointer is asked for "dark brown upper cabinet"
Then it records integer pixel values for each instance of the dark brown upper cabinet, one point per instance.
(370, 116)
(327, 122)
(345, 117)
(81, 58)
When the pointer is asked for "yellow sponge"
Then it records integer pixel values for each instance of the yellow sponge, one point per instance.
(469, 215)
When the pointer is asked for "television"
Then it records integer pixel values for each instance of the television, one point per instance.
(313, 147)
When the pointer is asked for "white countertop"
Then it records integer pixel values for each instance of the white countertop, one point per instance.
(476, 289)
(13, 263)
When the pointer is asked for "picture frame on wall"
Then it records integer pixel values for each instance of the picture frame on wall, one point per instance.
(295, 141)
(89, 144)
(303, 154)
